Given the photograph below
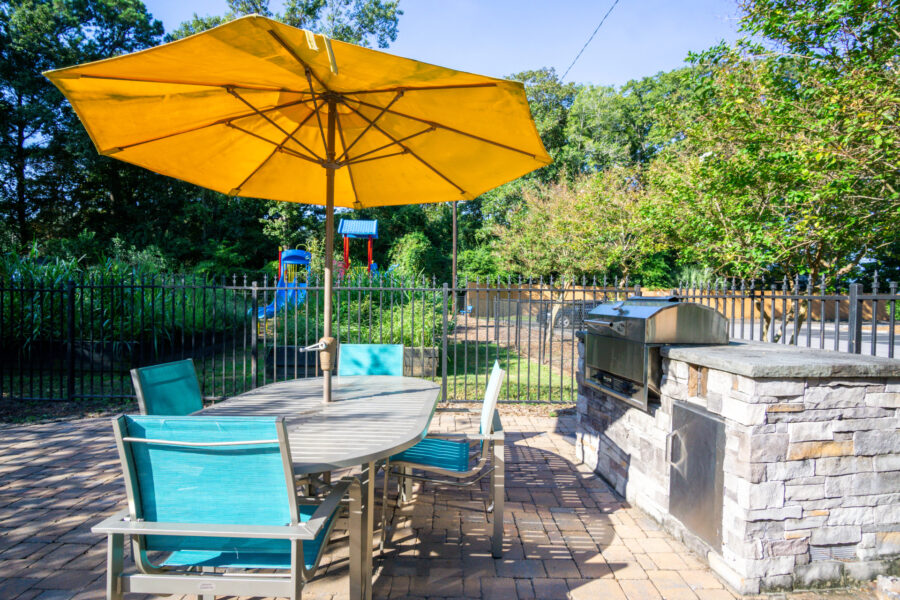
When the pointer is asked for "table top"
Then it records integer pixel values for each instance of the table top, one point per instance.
(368, 419)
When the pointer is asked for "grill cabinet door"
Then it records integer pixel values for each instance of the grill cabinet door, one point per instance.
(696, 453)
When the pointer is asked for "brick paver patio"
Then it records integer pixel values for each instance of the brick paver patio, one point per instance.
(567, 535)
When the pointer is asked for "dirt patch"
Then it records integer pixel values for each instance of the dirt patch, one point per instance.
(43, 411)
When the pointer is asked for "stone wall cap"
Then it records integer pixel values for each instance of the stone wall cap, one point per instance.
(760, 359)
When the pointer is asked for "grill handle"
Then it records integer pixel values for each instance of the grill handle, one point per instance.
(616, 326)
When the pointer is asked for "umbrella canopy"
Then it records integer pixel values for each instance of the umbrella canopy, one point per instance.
(260, 109)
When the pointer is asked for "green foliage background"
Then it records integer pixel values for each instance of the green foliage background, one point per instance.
(775, 156)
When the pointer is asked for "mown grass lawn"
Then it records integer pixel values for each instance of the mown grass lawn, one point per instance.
(526, 380)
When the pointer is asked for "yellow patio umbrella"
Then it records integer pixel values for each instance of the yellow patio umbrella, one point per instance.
(260, 109)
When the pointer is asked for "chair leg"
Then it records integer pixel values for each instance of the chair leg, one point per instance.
(384, 501)
(498, 488)
(208, 596)
(115, 553)
(296, 569)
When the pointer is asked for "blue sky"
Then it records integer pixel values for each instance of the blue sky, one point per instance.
(500, 37)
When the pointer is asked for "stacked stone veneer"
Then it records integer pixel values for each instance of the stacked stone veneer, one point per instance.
(811, 468)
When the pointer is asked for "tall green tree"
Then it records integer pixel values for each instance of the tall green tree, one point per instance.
(589, 226)
(615, 127)
(360, 22)
(39, 135)
(785, 157)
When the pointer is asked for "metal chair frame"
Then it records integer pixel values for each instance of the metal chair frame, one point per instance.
(491, 453)
(153, 579)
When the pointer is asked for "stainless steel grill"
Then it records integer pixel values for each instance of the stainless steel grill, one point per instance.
(623, 340)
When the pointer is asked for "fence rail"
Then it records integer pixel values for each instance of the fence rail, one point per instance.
(78, 339)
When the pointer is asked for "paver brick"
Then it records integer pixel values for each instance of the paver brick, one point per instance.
(639, 589)
(550, 589)
(593, 589)
(567, 534)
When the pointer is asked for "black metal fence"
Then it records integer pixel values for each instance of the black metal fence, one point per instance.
(805, 313)
(78, 339)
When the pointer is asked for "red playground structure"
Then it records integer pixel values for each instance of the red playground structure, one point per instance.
(358, 229)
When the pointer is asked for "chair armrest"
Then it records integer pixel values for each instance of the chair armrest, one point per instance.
(469, 437)
(120, 523)
(473, 437)
(111, 521)
(328, 506)
(288, 532)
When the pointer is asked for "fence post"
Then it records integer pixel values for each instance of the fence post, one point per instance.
(637, 290)
(254, 332)
(70, 344)
(854, 318)
(444, 327)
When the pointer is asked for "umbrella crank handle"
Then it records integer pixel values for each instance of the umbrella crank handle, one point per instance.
(314, 348)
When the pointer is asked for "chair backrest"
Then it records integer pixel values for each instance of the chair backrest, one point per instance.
(370, 359)
(169, 389)
(227, 482)
(491, 395)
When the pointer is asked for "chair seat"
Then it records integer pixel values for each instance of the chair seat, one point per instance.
(435, 452)
(253, 560)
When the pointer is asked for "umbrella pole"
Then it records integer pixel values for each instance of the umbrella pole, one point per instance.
(329, 248)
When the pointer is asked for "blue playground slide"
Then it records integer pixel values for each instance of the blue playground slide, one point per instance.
(292, 293)
(286, 294)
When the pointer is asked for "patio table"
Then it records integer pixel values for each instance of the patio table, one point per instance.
(369, 419)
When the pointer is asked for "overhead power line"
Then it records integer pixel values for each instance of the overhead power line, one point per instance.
(603, 20)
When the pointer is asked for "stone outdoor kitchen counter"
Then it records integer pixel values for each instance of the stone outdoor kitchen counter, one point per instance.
(756, 359)
(810, 472)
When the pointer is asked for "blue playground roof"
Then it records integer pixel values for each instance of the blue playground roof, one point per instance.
(358, 228)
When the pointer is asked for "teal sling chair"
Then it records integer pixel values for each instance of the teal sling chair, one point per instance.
(361, 359)
(448, 456)
(370, 359)
(169, 389)
(215, 496)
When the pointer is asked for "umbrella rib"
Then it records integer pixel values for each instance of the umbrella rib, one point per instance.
(297, 58)
(274, 124)
(226, 121)
(340, 130)
(356, 158)
(362, 160)
(259, 88)
(278, 147)
(422, 88)
(347, 149)
(416, 156)
(316, 107)
(450, 129)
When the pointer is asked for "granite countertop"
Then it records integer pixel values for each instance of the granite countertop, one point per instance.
(759, 359)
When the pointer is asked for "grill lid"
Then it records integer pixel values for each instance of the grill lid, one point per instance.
(636, 307)
(658, 320)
